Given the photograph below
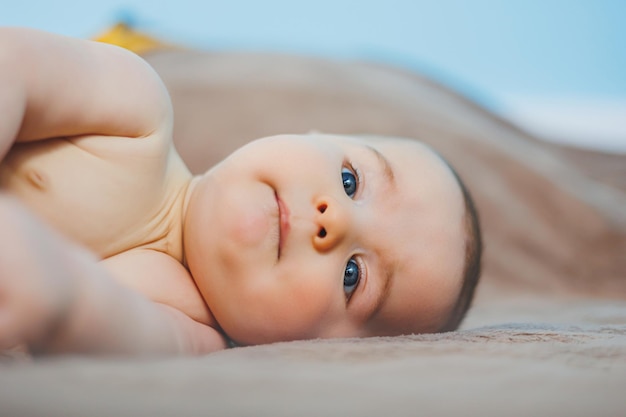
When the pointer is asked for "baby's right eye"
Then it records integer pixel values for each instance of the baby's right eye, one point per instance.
(350, 182)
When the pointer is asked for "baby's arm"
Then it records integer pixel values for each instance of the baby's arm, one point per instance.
(55, 297)
(55, 86)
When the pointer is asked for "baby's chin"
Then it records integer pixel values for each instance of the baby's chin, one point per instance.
(252, 332)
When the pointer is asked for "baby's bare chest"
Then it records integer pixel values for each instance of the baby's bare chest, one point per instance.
(111, 200)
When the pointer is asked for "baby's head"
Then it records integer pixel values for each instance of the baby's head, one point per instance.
(306, 236)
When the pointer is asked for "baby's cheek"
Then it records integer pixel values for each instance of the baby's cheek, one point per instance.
(312, 297)
(251, 229)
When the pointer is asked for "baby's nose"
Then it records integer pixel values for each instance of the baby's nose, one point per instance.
(332, 223)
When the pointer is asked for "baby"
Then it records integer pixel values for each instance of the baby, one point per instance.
(110, 245)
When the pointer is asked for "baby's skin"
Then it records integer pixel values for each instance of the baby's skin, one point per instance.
(110, 245)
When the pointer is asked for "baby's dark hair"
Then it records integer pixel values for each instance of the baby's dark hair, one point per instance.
(473, 255)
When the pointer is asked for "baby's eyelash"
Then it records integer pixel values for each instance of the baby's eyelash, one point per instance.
(357, 173)
(362, 274)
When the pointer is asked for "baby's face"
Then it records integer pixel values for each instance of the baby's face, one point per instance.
(306, 236)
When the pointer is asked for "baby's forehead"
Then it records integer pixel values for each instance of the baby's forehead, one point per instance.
(423, 236)
(406, 151)
(412, 158)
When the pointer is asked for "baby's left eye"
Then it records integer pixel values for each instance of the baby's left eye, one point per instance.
(350, 182)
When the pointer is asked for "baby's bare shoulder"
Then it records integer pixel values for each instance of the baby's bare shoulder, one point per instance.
(75, 87)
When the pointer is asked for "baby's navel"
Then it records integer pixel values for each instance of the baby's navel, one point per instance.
(37, 179)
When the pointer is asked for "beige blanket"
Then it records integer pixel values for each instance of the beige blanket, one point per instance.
(546, 336)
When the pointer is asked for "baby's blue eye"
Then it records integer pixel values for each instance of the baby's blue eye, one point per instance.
(351, 277)
(350, 182)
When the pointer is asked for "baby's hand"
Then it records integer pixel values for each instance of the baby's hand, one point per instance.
(35, 290)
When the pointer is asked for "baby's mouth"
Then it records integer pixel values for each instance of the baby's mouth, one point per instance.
(283, 223)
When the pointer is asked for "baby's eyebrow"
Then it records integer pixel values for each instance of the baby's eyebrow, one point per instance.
(385, 164)
(388, 268)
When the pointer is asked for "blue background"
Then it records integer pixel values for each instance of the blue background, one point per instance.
(556, 66)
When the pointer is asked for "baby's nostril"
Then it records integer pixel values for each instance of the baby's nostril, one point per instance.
(322, 208)
(322, 232)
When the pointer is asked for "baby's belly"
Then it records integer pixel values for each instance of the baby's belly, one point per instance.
(109, 204)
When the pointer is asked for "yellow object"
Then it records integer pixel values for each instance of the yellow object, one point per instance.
(125, 36)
